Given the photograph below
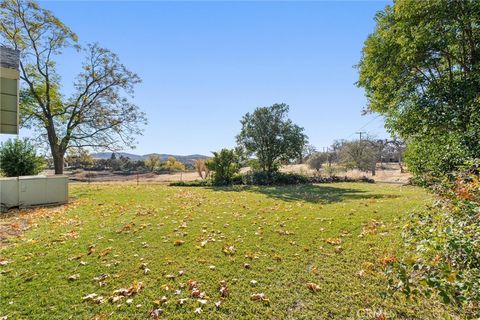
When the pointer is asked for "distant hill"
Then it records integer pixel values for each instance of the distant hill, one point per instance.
(188, 159)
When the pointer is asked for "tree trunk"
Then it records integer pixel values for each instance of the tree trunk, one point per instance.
(57, 149)
(58, 161)
(400, 164)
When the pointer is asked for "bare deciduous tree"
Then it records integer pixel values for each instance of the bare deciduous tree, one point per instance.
(201, 168)
(97, 114)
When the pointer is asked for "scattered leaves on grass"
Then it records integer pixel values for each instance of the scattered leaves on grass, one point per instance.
(74, 277)
(284, 232)
(368, 266)
(370, 228)
(163, 300)
(93, 297)
(144, 267)
(3, 263)
(166, 287)
(260, 297)
(105, 252)
(90, 296)
(156, 313)
(334, 241)
(257, 296)
(191, 284)
(388, 260)
(178, 242)
(238, 231)
(195, 293)
(126, 292)
(223, 289)
(101, 277)
(313, 287)
(91, 249)
(277, 257)
(5, 271)
(71, 234)
(77, 257)
(380, 316)
(360, 274)
(126, 228)
(229, 250)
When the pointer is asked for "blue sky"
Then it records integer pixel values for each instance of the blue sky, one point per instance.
(205, 64)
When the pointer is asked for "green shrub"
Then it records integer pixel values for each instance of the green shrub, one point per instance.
(431, 159)
(237, 179)
(443, 242)
(263, 178)
(225, 165)
(19, 158)
(195, 183)
(338, 179)
(316, 160)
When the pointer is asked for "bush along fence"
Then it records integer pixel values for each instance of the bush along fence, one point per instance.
(260, 178)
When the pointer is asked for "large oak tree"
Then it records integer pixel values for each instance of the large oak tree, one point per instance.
(271, 136)
(421, 69)
(97, 114)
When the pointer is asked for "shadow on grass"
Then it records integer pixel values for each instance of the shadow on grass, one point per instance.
(309, 193)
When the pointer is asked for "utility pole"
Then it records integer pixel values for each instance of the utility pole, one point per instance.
(360, 133)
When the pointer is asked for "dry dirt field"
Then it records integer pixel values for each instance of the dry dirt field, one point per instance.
(388, 173)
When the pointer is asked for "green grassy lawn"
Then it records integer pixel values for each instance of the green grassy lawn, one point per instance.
(336, 236)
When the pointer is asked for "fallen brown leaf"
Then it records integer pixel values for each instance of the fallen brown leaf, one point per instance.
(313, 287)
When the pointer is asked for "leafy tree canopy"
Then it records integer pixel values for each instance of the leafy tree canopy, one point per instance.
(268, 134)
(421, 70)
(172, 164)
(153, 162)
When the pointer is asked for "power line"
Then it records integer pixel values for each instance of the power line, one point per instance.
(362, 127)
(369, 122)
